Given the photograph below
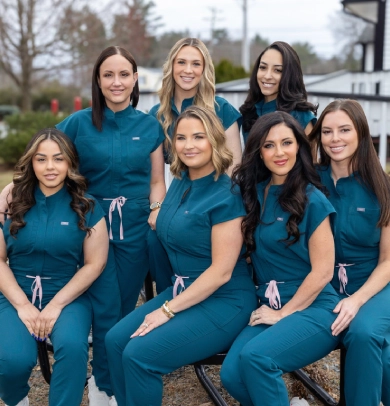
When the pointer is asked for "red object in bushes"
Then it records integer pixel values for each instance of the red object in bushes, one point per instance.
(77, 103)
(54, 106)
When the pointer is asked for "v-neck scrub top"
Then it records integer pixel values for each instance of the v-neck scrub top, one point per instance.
(356, 235)
(227, 114)
(288, 265)
(303, 117)
(190, 210)
(50, 245)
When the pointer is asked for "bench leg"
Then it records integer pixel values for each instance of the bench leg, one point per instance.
(209, 386)
(321, 392)
(313, 386)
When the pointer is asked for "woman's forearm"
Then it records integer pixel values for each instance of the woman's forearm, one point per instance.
(10, 288)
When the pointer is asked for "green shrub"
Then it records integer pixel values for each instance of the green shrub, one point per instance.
(21, 129)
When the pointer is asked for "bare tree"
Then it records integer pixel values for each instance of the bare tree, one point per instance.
(28, 41)
(135, 29)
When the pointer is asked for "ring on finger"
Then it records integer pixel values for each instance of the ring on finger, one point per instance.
(145, 325)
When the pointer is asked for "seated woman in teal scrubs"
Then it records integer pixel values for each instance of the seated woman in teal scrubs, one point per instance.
(53, 223)
(276, 83)
(359, 190)
(120, 150)
(289, 240)
(188, 79)
(213, 296)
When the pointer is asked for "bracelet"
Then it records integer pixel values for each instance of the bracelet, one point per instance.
(166, 310)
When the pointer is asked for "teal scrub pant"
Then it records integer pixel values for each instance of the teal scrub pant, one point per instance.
(365, 340)
(159, 265)
(130, 257)
(106, 306)
(115, 293)
(18, 354)
(137, 365)
(253, 368)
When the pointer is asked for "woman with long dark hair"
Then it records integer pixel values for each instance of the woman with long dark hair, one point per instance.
(276, 83)
(56, 241)
(213, 295)
(289, 240)
(359, 190)
(120, 151)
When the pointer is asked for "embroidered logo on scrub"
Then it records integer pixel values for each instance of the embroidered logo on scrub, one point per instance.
(361, 209)
(64, 223)
(135, 138)
(279, 218)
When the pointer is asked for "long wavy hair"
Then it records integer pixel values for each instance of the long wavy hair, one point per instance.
(365, 159)
(292, 93)
(25, 180)
(205, 95)
(221, 156)
(98, 100)
(292, 197)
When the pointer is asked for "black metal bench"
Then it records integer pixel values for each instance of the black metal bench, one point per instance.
(311, 384)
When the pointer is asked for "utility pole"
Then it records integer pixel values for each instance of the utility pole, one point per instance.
(245, 41)
(213, 20)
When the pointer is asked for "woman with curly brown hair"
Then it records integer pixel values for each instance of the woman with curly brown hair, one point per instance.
(56, 242)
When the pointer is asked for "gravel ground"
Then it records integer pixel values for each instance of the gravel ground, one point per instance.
(182, 388)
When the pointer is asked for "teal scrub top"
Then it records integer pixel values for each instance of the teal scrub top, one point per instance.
(223, 109)
(273, 259)
(187, 215)
(116, 160)
(356, 235)
(51, 243)
(303, 117)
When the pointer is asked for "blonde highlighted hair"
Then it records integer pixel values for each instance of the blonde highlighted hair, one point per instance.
(221, 156)
(205, 95)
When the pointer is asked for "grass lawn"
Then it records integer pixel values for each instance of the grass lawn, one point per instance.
(5, 177)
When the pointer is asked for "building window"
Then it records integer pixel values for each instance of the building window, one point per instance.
(377, 88)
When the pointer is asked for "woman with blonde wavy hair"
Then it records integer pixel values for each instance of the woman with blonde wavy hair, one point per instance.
(213, 295)
(188, 79)
(56, 243)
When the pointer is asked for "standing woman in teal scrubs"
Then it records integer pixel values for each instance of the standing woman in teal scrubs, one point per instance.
(53, 224)
(289, 240)
(120, 151)
(359, 190)
(276, 83)
(188, 79)
(210, 303)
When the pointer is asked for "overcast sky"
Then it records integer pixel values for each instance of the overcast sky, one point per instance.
(285, 20)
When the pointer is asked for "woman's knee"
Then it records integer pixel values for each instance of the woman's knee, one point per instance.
(17, 363)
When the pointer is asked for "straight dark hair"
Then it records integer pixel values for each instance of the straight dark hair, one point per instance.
(98, 100)
(364, 161)
(292, 93)
(293, 195)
